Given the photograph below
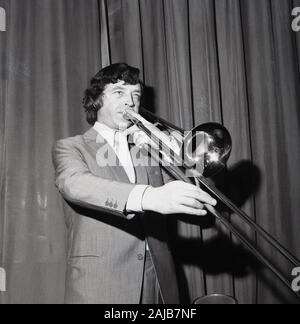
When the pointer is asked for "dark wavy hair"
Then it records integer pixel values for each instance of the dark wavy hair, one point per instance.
(92, 101)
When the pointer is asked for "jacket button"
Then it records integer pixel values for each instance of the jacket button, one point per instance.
(140, 257)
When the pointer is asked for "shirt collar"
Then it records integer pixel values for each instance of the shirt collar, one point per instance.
(102, 128)
(106, 132)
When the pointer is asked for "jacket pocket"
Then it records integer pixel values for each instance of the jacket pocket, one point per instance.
(86, 246)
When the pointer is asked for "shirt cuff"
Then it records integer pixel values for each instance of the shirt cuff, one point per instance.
(134, 202)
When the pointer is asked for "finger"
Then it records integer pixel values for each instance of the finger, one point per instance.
(201, 196)
(193, 188)
(191, 211)
(192, 191)
(211, 209)
(187, 186)
(192, 203)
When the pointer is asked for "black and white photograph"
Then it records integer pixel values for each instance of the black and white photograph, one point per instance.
(150, 154)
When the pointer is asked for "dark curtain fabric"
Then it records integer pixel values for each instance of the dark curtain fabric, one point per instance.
(229, 61)
(50, 50)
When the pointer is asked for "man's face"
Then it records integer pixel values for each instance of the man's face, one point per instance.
(115, 99)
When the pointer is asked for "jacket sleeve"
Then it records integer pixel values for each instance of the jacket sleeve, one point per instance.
(79, 186)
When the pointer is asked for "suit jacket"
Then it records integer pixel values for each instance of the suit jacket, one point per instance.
(106, 247)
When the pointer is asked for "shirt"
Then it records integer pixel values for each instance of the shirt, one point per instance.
(118, 141)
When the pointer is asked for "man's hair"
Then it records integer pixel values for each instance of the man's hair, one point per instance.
(92, 101)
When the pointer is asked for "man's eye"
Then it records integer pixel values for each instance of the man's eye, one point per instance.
(119, 93)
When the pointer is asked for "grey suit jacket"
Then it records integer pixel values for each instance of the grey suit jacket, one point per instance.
(106, 247)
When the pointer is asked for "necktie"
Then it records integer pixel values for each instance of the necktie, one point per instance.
(122, 151)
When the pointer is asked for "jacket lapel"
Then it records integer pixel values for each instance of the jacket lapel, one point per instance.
(145, 174)
(96, 144)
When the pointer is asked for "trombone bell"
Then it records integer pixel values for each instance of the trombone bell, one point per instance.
(207, 148)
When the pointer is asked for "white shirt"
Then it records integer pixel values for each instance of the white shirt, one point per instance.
(118, 141)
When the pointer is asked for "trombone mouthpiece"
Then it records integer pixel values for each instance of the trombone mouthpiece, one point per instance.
(126, 114)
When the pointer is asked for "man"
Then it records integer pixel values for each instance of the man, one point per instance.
(118, 249)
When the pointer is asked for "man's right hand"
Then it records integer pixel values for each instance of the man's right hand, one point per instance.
(177, 197)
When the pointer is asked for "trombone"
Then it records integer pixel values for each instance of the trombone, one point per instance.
(204, 152)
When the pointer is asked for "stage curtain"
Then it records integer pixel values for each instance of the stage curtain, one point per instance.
(48, 53)
(227, 61)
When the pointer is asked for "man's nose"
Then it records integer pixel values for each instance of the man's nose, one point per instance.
(130, 101)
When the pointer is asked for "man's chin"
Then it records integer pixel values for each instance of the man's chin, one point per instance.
(123, 125)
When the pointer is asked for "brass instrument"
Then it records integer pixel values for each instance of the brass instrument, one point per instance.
(204, 152)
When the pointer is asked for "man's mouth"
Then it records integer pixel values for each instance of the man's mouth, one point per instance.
(123, 112)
